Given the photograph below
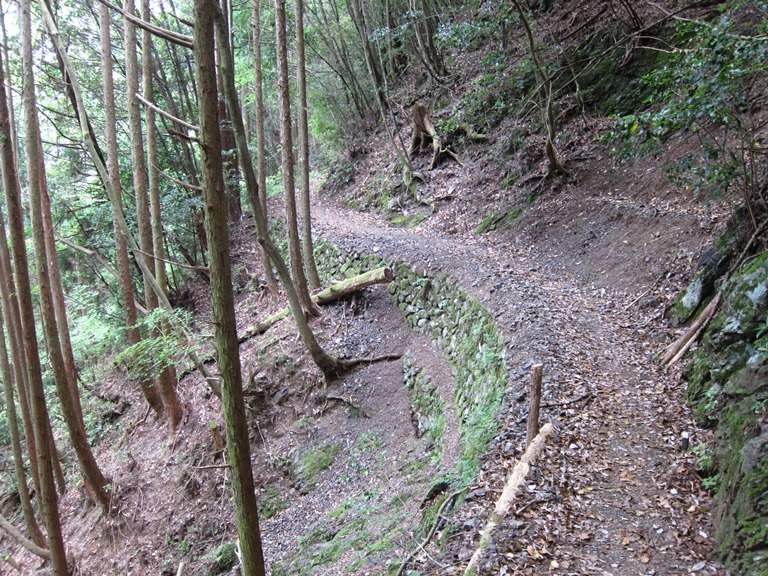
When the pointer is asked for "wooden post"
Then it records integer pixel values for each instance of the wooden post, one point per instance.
(533, 412)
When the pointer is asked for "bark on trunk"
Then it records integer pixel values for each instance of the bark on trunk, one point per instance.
(121, 246)
(303, 150)
(261, 154)
(167, 380)
(238, 447)
(48, 497)
(286, 140)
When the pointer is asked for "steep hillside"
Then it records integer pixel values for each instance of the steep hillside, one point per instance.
(500, 263)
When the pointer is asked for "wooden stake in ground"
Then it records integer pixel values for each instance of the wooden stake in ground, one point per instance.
(504, 502)
(533, 412)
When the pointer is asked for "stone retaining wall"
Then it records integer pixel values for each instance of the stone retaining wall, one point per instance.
(459, 326)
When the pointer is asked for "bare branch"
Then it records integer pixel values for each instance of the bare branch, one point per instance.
(174, 37)
(168, 115)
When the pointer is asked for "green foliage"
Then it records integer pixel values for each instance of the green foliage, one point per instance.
(709, 86)
(224, 558)
(95, 326)
(495, 93)
(311, 462)
(160, 348)
(5, 429)
(272, 503)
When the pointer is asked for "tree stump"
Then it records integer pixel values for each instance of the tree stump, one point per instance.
(424, 134)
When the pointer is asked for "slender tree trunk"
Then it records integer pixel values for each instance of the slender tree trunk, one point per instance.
(13, 320)
(228, 152)
(66, 390)
(48, 497)
(303, 149)
(356, 12)
(57, 294)
(13, 425)
(545, 90)
(121, 246)
(238, 447)
(286, 138)
(261, 145)
(167, 380)
(326, 363)
(138, 162)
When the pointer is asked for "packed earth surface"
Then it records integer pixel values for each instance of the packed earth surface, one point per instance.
(579, 285)
(576, 272)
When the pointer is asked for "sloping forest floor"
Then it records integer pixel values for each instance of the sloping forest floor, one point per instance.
(577, 279)
(580, 285)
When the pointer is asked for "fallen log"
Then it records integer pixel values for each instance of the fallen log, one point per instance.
(330, 294)
(14, 533)
(504, 502)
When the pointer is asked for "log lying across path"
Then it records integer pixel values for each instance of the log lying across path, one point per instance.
(330, 294)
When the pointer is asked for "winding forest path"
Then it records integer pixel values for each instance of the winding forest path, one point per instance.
(614, 494)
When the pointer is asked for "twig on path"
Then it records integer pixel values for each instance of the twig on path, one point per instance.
(343, 401)
(529, 504)
(566, 402)
(428, 538)
(652, 286)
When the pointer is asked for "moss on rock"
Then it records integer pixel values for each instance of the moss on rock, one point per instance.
(728, 387)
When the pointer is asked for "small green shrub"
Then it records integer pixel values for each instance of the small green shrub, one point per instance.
(272, 503)
(5, 429)
(154, 353)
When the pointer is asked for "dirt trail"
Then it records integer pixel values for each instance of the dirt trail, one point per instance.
(614, 494)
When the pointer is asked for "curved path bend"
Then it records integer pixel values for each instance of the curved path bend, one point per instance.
(614, 495)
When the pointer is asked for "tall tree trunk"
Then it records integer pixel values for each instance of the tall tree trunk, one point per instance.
(57, 295)
(228, 152)
(66, 390)
(303, 149)
(326, 363)
(13, 425)
(261, 145)
(48, 497)
(13, 317)
(356, 12)
(138, 163)
(13, 320)
(238, 447)
(167, 380)
(286, 140)
(121, 246)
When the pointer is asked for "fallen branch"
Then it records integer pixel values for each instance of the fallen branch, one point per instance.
(435, 524)
(14, 533)
(330, 294)
(343, 401)
(652, 286)
(504, 502)
(677, 349)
